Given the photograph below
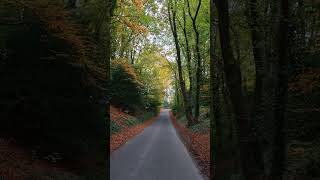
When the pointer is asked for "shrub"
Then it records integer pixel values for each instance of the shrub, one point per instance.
(126, 89)
(114, 127)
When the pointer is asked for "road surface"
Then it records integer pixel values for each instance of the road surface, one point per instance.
(155, 154)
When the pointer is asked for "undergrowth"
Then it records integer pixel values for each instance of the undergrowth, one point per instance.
(114, 127)
(202, 126)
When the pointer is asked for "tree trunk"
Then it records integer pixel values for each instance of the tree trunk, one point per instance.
(188, 53)
(247, 142)
(173, 25)
(199, 60)
(278, 162)
(261, 107)
(222, 159)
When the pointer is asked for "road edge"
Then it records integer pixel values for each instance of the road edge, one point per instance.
(119, 139)
(187, 144)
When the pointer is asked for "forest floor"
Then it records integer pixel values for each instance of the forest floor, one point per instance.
(198, 143)
(124, 127)
(18, 163)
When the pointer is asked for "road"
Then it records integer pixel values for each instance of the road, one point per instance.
(155, 154)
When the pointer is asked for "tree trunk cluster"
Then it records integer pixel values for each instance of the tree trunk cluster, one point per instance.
(260, 130)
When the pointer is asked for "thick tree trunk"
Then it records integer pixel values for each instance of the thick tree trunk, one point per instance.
(222, 158)
(268, 126)
(261, 107)
(278, 161)
(247, 142)
(173, 25)
(271, 80)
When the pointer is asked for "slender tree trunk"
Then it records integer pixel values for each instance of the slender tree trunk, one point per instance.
(199, 60)
(247, 142)
(173, 25)
(198, 82)
(188, 53)
(177, 89)
(132, 54)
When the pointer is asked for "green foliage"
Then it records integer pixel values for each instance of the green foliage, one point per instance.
(202, 126)
(114, 127)
(204, 121)
(175, 107)
(126, 89)
(147, 116)
(140, 119)
(134, 91)
(131, 122)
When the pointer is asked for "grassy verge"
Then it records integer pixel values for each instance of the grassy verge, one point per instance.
(204, 121)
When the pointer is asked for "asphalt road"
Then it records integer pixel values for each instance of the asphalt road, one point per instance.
(155, 154)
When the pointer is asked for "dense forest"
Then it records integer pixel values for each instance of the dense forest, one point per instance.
(264, 59)
(139, 73)
(54, 76)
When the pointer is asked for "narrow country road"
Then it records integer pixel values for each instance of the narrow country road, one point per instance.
(155, 154)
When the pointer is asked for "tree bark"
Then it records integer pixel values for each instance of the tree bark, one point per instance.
(261, 107)
(271, 86)
(278, 161)
(221, 160)
(173, 25)
(247, 141)
(188, 54)
(199, 60)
